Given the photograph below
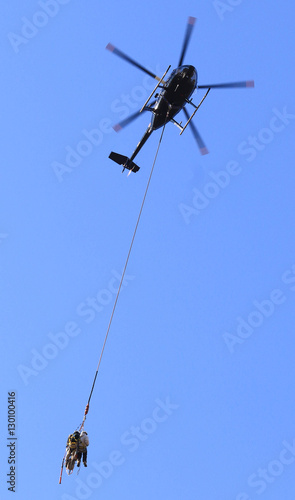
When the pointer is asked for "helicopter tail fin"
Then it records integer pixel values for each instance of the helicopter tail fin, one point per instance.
(124, 161)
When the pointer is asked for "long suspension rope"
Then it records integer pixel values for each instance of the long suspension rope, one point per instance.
(122, 278)
(118, 293)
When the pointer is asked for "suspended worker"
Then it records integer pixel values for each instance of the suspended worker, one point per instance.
(82, 448)
(72, 445)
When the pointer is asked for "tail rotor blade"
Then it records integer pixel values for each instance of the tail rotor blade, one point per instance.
(189, 29)
(121, 54)
(248, 83)
(131, 118)
(200, 142)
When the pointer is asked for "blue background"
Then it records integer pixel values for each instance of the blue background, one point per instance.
(196, 268)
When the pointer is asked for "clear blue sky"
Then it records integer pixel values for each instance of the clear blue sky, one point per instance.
(194, 399)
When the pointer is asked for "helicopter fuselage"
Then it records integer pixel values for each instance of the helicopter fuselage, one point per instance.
(174, 95)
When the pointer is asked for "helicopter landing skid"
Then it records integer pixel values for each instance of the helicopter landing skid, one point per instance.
(158, 84)
(193, 114)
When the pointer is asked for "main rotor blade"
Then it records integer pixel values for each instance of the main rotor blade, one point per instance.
(189, 29)
(248, 83)
(131, 118)
(131, 61)
(200, 142)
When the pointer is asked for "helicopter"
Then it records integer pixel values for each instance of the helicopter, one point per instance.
(175, 93)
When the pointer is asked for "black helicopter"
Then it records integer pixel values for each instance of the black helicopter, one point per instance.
(175, 93)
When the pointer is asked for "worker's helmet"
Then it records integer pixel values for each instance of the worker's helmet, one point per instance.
(76, 435)
(83, 433)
